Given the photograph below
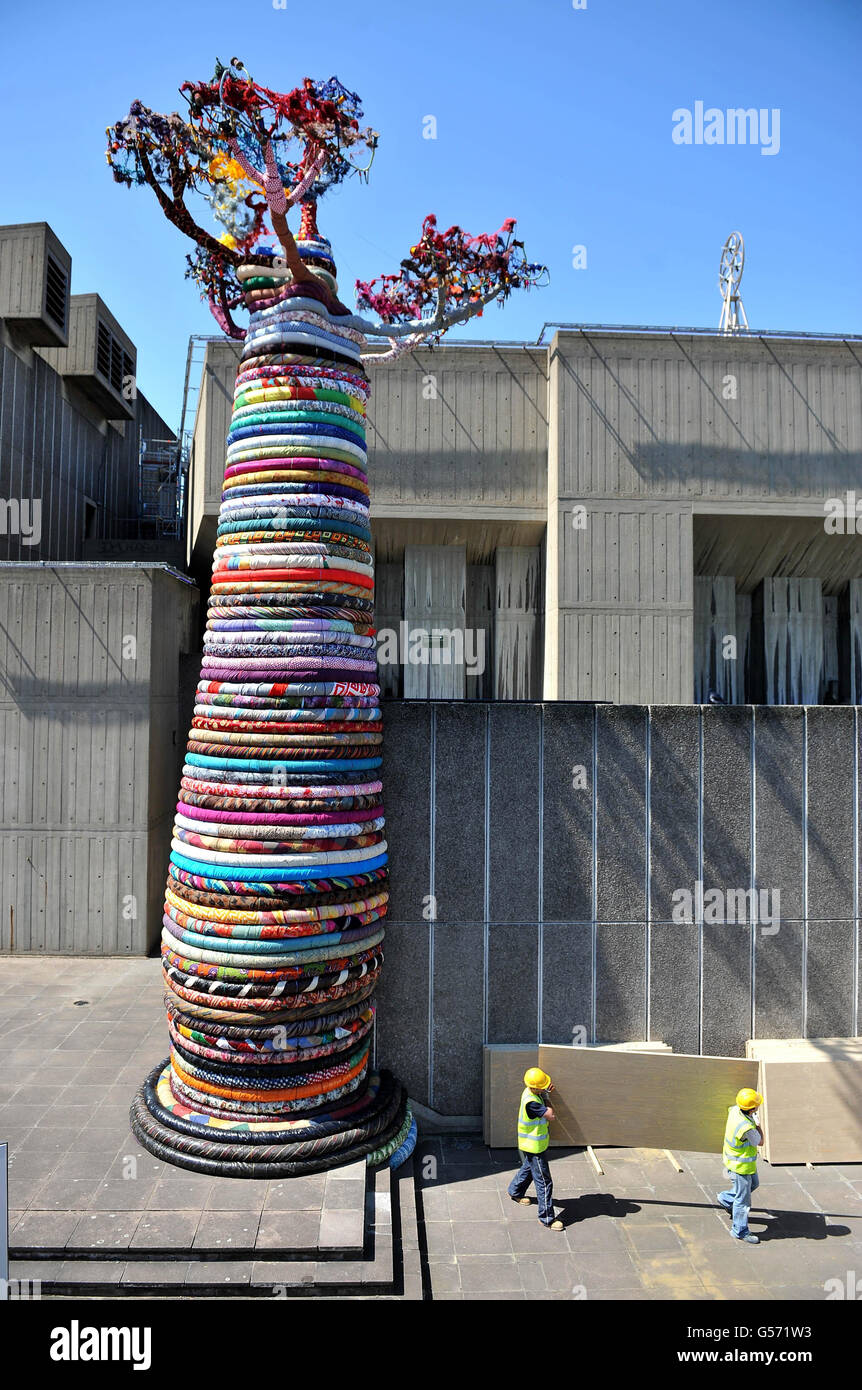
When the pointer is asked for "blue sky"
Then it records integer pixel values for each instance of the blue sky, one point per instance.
(560, 117)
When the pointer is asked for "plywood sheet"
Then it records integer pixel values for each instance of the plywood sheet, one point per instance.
(503, 1075)
(625, 1097)
(812, 1093)
(810, 1049)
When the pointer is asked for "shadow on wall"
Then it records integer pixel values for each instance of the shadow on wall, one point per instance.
(778, 475)
(748, 463)
(20, 680)
(481, 434)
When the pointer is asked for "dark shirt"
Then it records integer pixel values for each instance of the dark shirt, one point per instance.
(536, 1109)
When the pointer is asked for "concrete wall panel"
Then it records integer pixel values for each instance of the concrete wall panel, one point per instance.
(91, 702)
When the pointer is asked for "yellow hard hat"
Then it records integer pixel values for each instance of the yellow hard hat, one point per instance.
(536, 1079)
(747, 1099)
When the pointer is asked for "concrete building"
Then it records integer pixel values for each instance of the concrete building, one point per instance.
(97, 648)
(627, 515)
(86, 463)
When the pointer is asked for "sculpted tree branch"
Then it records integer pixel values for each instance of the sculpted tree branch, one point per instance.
(253, 153)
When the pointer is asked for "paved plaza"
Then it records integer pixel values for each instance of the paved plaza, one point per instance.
(640, 1230)
(90, 1210)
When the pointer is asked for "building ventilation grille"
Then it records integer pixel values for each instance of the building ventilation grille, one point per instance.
(112, 362)
(56, 293)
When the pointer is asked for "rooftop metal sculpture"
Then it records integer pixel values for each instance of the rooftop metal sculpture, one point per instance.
(733, 319)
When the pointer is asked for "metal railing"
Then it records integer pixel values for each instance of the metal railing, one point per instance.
(677, 331)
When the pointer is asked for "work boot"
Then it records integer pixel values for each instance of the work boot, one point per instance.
(521, 1201)
(748, 1236)
(556, 1226)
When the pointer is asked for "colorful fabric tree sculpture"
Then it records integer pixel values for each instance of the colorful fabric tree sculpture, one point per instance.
(277, 884)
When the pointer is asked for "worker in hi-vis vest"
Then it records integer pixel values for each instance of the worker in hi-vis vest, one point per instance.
(742, 1138)
(534, 1115)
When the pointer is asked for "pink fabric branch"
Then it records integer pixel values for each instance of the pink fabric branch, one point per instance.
(224, 321)
(271, 180)
(307, 179)
(272, 184)
(397, 348)
(420, 329)
(247, 168)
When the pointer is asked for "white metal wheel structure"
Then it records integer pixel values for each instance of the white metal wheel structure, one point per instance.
(733, 319)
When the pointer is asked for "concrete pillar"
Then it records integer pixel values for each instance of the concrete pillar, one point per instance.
(851, 642)
(518, 623)
(618, 585)
(831, 664)
(94, 696)
(743, 648)
(435, 612)
(480, 621)
(389, 611)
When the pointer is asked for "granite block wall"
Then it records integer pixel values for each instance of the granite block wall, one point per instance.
(572, 872)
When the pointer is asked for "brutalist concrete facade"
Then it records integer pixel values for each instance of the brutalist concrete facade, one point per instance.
(71, 416)
(644, 473)
(97, 671)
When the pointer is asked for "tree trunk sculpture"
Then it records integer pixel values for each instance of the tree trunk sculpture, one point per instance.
(277, 884)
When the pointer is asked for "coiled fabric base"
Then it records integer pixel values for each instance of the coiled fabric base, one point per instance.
(379, 1128)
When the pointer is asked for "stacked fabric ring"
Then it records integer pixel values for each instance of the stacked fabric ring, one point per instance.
(277, 885)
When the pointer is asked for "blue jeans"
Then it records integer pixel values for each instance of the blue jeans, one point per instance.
(534, 1168)
(737, 1199)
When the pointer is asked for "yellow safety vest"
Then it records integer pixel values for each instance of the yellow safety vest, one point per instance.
(532, 1134)
(738, 1157)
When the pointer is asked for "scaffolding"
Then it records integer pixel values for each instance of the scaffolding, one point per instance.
(164, 463)
(195, 358)
(162, 472)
